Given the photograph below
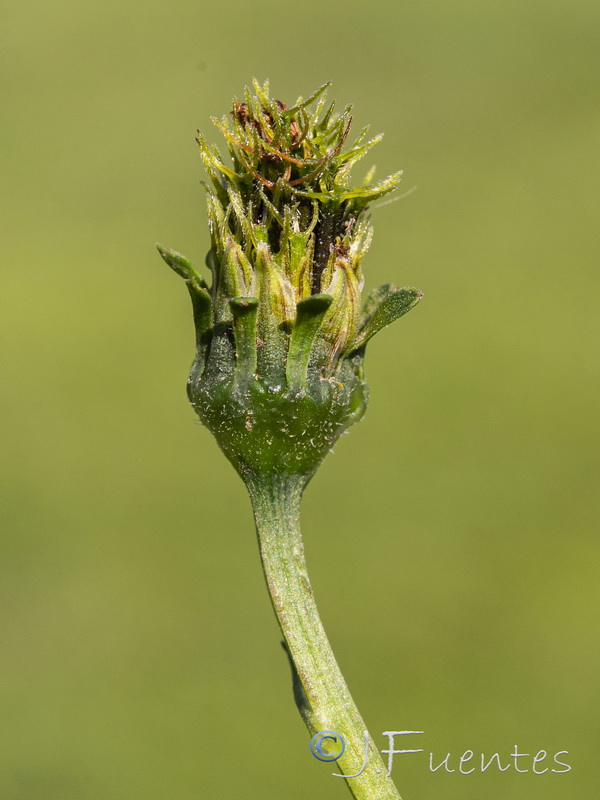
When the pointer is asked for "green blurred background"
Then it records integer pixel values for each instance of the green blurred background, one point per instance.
(452, 538)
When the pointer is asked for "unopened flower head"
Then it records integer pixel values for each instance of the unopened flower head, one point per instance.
(282, 330)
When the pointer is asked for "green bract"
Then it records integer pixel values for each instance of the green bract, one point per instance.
(281, 331)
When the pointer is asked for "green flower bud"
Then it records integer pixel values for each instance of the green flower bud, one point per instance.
(281, 332)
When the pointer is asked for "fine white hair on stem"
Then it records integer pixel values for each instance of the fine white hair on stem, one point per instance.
(394, 199)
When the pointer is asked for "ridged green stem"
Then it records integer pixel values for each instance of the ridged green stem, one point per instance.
(322, 696)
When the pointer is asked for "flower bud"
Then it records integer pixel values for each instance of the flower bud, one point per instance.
(281, 332)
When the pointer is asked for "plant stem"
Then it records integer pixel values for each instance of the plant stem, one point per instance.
(321, 693)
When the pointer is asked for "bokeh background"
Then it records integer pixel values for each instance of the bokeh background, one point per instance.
(451, 538)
